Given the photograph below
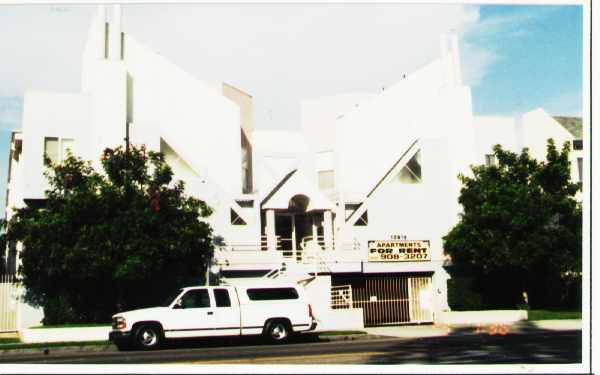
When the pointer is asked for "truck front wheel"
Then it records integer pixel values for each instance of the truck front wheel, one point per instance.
(148, 337)
(278, 331)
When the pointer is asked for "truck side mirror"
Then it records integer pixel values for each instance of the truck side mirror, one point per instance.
(178, 304)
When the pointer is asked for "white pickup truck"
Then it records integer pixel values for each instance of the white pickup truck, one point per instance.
(275, 311)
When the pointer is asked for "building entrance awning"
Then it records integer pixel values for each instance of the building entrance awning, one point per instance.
(291, 187)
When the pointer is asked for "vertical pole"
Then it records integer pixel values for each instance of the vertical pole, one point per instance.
(410, 298)
(328, 230)
(314, 228)
(207, 273)
(294, 239)
(270, 231)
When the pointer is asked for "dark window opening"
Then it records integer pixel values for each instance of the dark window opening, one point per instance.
(194, 299)
(363, 220)
(246, 203)
(490, 160)
(577, 144)
(235, 218)
(222, 298)
(351, 208)
(272, 294)
(411, 172)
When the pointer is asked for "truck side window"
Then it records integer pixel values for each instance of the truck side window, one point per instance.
(222, 298)
(195, 298)
(268, 294)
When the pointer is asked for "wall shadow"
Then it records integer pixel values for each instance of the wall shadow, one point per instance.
(522, 343)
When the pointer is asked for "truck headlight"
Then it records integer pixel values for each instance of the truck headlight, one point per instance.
(118, 322)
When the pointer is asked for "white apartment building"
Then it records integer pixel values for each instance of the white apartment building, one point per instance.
(354, 205)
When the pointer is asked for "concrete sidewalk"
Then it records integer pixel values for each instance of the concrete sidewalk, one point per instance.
(431, 330)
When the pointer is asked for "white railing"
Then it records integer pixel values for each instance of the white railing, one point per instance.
(341, 297)
(319, 240)
(353, 245)
(9, 290)
(249, 246)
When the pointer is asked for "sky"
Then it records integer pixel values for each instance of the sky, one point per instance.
(515, 58)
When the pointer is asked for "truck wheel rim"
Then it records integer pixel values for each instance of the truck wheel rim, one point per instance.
(278, 332)
(148, 337)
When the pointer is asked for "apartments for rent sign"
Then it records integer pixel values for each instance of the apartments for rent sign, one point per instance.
(399, 251)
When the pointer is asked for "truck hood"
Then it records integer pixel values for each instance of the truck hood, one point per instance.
(147, 312)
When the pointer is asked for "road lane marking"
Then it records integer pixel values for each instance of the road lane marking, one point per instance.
(299, 358)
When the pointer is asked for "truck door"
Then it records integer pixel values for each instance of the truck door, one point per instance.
(226, 315)
(192, 316)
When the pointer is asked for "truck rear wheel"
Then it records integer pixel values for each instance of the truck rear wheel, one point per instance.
(148, 337)
(278, 331)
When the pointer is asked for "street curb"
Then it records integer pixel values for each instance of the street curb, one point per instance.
(363, 336)
(112, 347)
(67, 348)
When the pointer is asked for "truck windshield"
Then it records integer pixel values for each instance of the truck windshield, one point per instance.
(171, 297)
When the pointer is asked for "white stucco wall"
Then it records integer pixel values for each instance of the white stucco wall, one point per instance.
(197, 122)
(52, 115)
(537, 126)
(373, 136)
(275, 154)
(493, 130)
(318, 116)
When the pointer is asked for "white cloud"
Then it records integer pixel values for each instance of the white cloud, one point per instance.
(476, 62)
(479, 52)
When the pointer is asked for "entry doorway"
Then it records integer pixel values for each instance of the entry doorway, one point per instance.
(292, 228)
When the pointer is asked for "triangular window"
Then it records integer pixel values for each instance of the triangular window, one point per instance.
(411, 172)
(350, 208)
(235, 218)
(363, 220)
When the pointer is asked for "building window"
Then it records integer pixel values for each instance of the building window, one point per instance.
(350, 208)
(235, 218)
(580, 168)
(246, 174)
(490, 160)
(326, 179)
(246, 203)
(56, 149)
(577, 144)
(411, 172)
(363, 220)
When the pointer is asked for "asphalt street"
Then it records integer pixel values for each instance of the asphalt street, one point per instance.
(525, 348)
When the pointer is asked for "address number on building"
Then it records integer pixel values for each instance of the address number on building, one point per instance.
(399, 251)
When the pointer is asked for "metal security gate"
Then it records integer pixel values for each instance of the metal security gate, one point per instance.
(8, 303)
(388, 300)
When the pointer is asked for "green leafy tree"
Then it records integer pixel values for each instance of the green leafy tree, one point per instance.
(111, 241)
(520, 230)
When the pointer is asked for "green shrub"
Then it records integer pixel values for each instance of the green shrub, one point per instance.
(462, 296)
(523, 306)
(58, 310)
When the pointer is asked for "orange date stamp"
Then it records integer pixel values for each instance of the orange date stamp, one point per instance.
(489, 329)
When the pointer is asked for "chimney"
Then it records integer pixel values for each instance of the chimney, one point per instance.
(101, 29)
(450, 58)
(114, 34)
